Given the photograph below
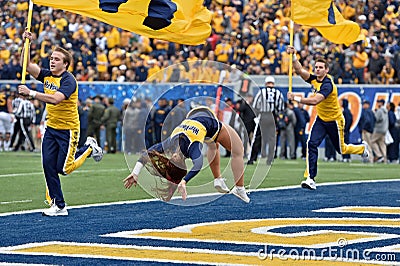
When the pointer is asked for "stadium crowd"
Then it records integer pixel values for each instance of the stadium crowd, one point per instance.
(248, 35)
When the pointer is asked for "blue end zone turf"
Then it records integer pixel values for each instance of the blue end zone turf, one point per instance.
(365, 215)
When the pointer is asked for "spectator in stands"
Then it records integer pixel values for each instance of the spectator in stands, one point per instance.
(255, 50)
(223, 49)
(14, 69)
(141, 71)
(5, 53)
(387, 74)
(115, 57)
(348, 75)
(334, 68)
(375, 66)
(360, 60)
(154, 73)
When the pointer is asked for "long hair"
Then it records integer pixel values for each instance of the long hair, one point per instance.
(170, 173)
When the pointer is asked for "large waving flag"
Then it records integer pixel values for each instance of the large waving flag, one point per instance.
(180, 21)
(326, 18)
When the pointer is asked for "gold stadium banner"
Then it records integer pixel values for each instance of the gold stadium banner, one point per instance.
(180, 21)
(326, 18)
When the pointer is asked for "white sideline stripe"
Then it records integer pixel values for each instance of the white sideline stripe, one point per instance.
(204, 195)
(15, 201)
(350, 209)
(77, 171)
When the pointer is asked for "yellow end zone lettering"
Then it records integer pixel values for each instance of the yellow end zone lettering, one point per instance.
(160, 254)
(259, 232)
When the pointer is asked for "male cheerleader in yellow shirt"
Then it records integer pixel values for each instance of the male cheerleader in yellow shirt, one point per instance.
(60, 141)
(329, 120)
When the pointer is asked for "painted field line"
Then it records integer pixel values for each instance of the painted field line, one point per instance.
(165, 254)
(204, 195)
(14, 201)
(77, 171)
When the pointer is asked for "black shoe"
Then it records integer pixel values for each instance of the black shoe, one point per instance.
(250, 162)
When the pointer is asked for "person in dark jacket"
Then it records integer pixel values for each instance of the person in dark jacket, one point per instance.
(247, 115)
(302, 118)
(110, 120)
(366, 126)
(392, 150)
(95, 114)
(83, 111)
(159, 117)
(348, 118)
(175, 117)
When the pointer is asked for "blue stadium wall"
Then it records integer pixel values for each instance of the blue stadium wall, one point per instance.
(354, 93)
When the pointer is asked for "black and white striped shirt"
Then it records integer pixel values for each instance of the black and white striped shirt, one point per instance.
(26, 109)
(15, 105)
(268, 100)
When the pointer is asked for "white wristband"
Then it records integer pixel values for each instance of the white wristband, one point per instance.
(297, 98)
(294, 57)
(32, 93)
(137, 169)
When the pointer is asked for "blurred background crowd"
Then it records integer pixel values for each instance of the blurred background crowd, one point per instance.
(250, 36)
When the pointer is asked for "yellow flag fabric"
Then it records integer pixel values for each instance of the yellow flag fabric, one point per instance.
(326, 18)
(180, 21)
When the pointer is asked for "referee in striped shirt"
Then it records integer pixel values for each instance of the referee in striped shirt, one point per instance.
(26, 112)
(267, 102)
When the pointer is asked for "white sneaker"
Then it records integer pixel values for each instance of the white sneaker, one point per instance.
(309, 183)
(97, 151)
(54, 210)
(365, 153)
(240, 192)
(220, 186)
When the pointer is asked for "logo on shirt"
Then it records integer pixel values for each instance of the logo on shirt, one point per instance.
(50, 86)
(194, 129)
(313, 89)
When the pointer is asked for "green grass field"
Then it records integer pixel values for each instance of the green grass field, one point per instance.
(22, 185)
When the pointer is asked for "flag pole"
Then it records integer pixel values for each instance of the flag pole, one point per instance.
(291, 57)
(26, 44)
